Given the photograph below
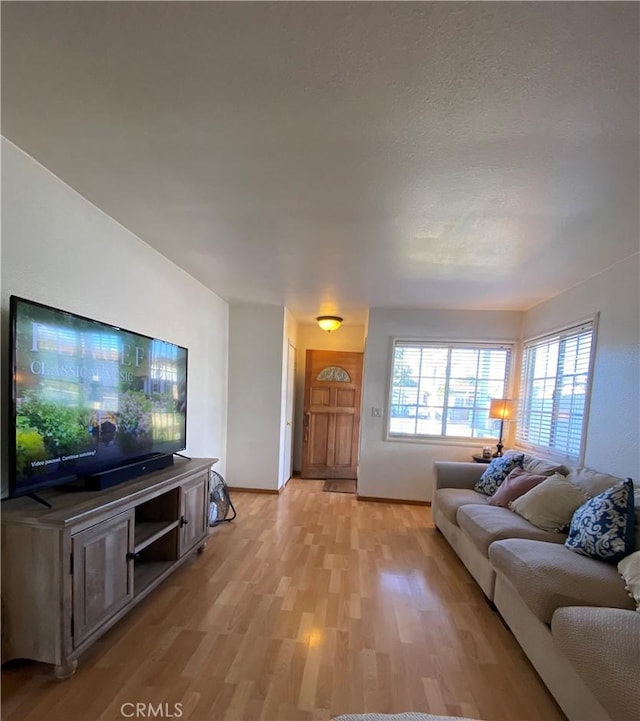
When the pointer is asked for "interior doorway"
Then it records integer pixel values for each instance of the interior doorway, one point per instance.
(331, 422)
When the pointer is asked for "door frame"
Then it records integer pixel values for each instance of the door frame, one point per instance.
(288, 417)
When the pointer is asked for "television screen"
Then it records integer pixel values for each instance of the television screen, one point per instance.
(89, 396)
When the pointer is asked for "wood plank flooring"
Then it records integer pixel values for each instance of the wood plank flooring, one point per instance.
(308, 605)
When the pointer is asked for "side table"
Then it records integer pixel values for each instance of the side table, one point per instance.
(479, 458)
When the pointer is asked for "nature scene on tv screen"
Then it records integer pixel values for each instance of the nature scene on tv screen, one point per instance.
(90, 395)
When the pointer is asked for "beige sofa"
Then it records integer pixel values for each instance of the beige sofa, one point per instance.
(471, 525)
(570, 614)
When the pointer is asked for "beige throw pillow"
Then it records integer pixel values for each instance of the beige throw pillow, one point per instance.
(629, 569)
(551, 504)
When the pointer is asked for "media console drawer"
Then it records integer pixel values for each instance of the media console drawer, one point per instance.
(69, 573)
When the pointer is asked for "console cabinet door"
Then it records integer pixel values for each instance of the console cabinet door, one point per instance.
(194, 513)
(102, 573)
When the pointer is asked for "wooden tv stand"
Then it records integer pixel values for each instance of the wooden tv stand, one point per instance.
(70, 572)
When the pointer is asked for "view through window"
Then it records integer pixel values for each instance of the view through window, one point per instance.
(444, 389)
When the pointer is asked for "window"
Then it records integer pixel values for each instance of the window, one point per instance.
(444, 389)
(554, 391)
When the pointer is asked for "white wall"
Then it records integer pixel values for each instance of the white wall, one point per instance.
(614, 419)
(349, 338)
(404, 469)
(255, 395)
(59, 249)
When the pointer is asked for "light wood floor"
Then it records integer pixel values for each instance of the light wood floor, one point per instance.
(308, 605)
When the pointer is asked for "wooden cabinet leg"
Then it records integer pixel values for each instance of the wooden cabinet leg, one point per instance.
(65, 670)
(201, 547)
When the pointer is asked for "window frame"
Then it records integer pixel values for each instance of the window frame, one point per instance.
(565, 331)
(509, 345)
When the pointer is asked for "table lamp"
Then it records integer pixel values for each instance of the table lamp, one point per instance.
(502, 409)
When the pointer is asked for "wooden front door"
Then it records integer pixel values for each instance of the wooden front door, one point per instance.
(331, 423)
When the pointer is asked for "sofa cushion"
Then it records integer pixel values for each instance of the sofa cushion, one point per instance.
(516, 484)
(629, 569)
(603, 526)
(602, 644)
(592, 482)
(486, 524)
(548, 576)
(448, 500)
(497, 471)
(531, 464)
(551, 504)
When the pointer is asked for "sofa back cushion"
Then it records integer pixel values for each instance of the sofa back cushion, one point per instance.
(551, 504)
(531, 464)
(592, 482)
(516, 484)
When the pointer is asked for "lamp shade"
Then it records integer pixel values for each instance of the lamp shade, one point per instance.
(329, 322)
(502, 408)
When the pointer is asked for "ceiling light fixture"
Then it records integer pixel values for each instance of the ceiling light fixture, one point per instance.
(329, 322)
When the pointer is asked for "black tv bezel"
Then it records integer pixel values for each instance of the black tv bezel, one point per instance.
(22, 490)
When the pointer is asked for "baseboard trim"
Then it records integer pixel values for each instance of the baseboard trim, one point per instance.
(375, 499)
(369, 499)
(239, 489)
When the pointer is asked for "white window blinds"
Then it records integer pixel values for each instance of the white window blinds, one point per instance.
(444, 389)
(554, 391)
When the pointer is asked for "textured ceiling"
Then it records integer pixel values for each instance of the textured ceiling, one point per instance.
(336, 156)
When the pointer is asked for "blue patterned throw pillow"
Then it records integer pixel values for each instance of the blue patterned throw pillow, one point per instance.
(497, 471)
(603, 527)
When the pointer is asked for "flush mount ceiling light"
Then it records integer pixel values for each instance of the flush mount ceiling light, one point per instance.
(329, 322)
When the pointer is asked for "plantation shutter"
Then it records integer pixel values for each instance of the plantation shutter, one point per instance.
(554, 391)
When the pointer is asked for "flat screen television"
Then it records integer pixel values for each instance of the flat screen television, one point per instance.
(89, 399)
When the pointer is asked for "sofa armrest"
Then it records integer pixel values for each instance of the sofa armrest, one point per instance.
(457, 474)
(603, 645)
